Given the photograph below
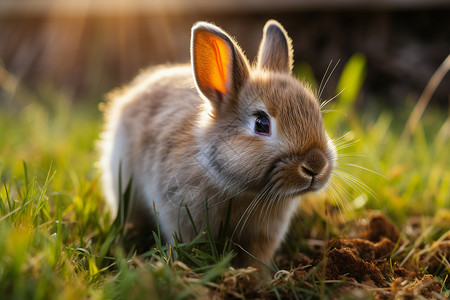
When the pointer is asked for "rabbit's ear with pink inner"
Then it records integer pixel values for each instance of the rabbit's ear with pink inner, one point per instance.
(275, 51)
(219, 66)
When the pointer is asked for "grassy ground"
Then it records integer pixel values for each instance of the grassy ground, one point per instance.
(57, 242)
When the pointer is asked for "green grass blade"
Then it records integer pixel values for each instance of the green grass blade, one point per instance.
(209, 233)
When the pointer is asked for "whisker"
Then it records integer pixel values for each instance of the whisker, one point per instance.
(366, 169)
(268, 214)
(324, 75)
(356, 184)
(230, 196)
(350, 154)
(338, 200)
(248, 212)
(346, 145)
(269, 210)
(336, 140)
(340, 182)
(329, 76)
(342, 194)
(337, 190)
(329, 111)
(264, 209)
(263, 197)
(331, 99)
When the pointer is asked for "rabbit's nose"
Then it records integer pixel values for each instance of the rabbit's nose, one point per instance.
(314, 163)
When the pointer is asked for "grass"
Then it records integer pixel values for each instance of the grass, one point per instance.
(57, 242)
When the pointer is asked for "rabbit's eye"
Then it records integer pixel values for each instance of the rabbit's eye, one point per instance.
(262, 125)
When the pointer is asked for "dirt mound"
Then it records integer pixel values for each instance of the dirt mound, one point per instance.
(343, 263)
(360, 267)
(380, 227)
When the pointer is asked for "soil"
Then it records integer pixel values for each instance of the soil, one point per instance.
(361, 268)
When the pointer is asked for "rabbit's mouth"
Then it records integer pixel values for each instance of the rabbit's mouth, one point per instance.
(294, 175)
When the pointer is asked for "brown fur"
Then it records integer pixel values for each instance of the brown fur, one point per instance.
(184, 144)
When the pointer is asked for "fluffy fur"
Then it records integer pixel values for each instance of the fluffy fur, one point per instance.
(183, 142)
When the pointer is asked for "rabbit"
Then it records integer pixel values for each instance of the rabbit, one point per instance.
(215, 133)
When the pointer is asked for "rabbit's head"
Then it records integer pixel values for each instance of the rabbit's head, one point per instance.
(260, 129)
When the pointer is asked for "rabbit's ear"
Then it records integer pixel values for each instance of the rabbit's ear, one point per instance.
(219, 66)
(275, 51)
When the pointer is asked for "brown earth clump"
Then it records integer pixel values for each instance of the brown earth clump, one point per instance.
(343, 263)
(379, 227)
(361, 267)
(365, 249)
(364, 263)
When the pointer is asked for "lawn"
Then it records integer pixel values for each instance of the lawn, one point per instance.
(57, 241)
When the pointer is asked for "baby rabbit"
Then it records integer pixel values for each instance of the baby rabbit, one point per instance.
(216, 133)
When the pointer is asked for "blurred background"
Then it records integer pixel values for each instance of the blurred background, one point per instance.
(86, 48)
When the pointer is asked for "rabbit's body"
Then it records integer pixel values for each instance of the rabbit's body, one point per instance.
(252, 137)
